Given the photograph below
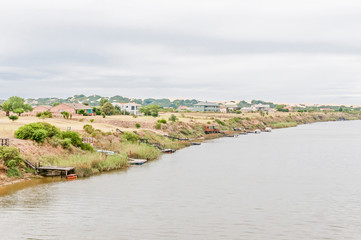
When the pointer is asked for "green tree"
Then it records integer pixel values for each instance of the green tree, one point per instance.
(16, 105)
(56, 104)
(108, 108)
(103, 101)
(150, 110)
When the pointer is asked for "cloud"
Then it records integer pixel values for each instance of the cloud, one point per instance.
(215, 50)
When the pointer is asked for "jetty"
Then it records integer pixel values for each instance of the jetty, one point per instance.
(55, 171)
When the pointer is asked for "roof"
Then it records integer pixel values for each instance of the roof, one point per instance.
(128, 103)
(78, 106)
(206, 104)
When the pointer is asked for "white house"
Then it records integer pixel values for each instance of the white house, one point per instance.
(256, 108)
(132, 108)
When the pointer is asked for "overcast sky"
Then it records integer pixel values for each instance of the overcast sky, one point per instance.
(279, 50)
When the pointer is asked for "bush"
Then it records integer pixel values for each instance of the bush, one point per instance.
(73, 136)
(31, 131)
(14, 172)
(173, 118)
(163, 121)
(87, 147)
(40, 135)
(137, 125)
(88, 128)
(130, 137)
(46, 114)
(158, 125)
(91, 120)
(66, 143)
(10, 156)
(13, 118)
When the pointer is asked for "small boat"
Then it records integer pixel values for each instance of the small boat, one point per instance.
(195, 143)
(137, 161)
(106, 152)
(168, 150)
(71, 177)
(268, 129)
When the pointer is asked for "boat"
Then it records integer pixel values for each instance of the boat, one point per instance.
(168, 150)
(195, 143)
(71, 177)
(137, 161)
(268, 129)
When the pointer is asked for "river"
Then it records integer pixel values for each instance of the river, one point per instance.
(295, 183)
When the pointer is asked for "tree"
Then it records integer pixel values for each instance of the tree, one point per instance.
(103, 101)
(150, 110)
(56, 104)
(107, 108)
(82, 112)
(65, 114)
(16, 105)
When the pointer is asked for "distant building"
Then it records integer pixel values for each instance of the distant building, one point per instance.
(256, 108)
(206, 107)
(72, 108)
(39, 109)
(132, 108)
(327, 109)
(183, 108)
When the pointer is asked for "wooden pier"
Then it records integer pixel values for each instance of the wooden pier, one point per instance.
(55, 171)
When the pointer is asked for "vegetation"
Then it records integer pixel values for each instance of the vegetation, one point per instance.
(173, 118)
(89, 163)
(11, 158)
(150, 110)
(13, 118)
(43, 115)
(16, 105)
(107, 108)
(137, 125)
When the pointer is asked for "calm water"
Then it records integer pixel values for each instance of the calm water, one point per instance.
(297, 183)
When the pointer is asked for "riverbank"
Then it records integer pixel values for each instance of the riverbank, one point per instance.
(126, 141)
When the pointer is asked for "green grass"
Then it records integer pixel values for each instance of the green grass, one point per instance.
(283, 124)
(89, 163)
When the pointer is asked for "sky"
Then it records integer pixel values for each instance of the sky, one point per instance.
(277, 50)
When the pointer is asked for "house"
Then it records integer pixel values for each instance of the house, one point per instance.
(39, 109)
(327, 109)
(206, 107)
(132, 108)
(72, 108)
(256, 108)
(183, 108)
(229, 107)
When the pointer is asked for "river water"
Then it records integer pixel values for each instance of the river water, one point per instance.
(296, 183)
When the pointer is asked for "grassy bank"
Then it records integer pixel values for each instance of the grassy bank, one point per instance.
(87, 164)
(128, 144)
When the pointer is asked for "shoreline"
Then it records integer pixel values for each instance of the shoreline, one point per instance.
(13, 181)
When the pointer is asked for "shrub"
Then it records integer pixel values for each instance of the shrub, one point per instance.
(137, 125)
(173, 118)
(130, 137)
(158, 125)
(91, 120)
(87, 147)
(88, 128)
(31, 131)
(14, 172)
(46, 114)
(40, 135)
(162, 121)
(66, 143)
(65, 114)
(13, 118)
(73, 136)
(10, 156)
